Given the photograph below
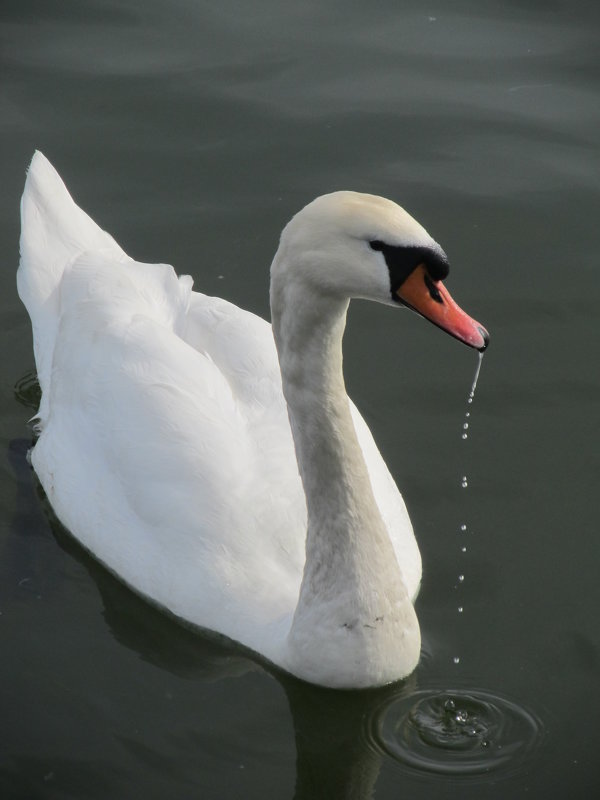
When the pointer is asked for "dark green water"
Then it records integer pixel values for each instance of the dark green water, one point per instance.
(193, 131)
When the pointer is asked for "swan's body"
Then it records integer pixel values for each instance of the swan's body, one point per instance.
(166, 447)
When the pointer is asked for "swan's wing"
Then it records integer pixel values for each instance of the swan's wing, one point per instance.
(151, 459)
(241, 344)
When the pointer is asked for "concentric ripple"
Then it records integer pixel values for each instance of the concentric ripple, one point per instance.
(456, 732)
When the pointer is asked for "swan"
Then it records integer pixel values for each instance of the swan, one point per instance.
(214, 462)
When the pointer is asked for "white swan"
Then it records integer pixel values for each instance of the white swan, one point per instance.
(167, 448)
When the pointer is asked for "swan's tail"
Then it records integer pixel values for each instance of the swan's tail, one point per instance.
(54, 231)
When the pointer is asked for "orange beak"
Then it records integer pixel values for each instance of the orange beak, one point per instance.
(432, 300)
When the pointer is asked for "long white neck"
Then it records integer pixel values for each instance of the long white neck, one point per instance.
(354, 623)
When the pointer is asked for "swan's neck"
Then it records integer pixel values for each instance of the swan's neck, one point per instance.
(353, 610)
(339, 497)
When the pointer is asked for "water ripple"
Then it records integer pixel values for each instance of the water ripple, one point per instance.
(456, 732)
(27, 390)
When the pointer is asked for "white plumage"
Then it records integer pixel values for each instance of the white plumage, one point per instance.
(166, 449)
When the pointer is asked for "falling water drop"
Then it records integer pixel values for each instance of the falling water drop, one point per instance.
(465, 428)
(472, 393)
(464, 483)
(475, 379)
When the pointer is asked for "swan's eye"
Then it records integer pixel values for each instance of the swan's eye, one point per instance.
(376, 245)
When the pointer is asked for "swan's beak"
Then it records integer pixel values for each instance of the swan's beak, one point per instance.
(432, 300)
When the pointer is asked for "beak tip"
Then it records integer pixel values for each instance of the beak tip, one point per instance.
(485, 336)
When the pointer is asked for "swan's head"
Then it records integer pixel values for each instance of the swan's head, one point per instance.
(348, 245)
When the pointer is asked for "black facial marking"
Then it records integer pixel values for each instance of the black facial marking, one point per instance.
(401, 261)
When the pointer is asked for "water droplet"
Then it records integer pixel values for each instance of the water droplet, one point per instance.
(456, 660)
(461, 578)
(463, 549)
(464, 483)
(467, 415)
(463, 527)
(465, 425)
(465, 436)
(470, 400)
(460, 609)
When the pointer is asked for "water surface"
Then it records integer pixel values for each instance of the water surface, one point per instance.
(193, 131)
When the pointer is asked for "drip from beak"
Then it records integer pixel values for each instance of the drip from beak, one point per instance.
(433, 301)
